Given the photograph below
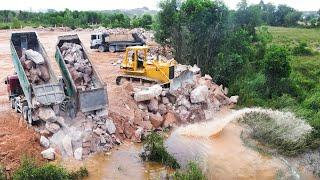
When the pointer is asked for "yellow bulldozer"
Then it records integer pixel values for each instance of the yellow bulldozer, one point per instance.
(136, 66)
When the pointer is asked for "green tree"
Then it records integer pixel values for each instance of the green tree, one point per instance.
(146, 21)
(277, 69)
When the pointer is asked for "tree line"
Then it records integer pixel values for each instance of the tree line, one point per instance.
(72, 19)
(232, 47)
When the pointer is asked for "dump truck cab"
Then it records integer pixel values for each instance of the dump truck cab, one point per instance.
(97, 39)
(114, 42)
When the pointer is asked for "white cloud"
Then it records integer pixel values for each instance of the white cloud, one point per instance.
(304, 5)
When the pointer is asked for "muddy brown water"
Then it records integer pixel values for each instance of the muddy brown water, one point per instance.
(221, 156)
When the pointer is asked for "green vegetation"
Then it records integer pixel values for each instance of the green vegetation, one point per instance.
(154, 150)
(192, 172)
(29, 170)
(72, 19)
(280, 131)
(2, 173)
(266, 66)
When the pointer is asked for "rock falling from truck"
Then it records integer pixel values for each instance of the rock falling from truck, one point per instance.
(80, 68)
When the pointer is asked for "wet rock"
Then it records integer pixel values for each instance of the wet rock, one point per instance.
(52, 127)
(153, 105)
(67, 146)
(184, 114)
(48, 154)
(199, 94)
(44, 142)
(148, 94)
(169, 120)
(47, 114)
(111, 128)
(78, 153)
(156, 120)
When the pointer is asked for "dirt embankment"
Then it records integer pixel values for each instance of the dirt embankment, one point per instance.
(16, 140)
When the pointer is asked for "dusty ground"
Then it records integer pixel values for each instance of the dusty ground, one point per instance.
(15, 138)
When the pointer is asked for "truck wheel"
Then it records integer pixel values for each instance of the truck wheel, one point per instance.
(25, 110)
(12, 103)
(102, 49)
(30, 120)
(16, 106)
(112, 49)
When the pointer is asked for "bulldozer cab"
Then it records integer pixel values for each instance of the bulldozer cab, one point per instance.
(135, 58)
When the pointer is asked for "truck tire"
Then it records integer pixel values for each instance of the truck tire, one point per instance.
(25, 110)
(16, 106)
(102, 49)
(112, 49)
(12, 103)
(30, 120)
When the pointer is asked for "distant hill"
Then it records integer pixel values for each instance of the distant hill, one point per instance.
(132, 12)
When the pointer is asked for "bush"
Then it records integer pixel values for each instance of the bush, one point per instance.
(193, 172)
(276, 69)
(2, 173)
(302, 50)
(279, 130)
(154, 150)
(29, 170)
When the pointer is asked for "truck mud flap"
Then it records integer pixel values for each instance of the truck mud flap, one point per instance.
(48, 94)
(91, 100)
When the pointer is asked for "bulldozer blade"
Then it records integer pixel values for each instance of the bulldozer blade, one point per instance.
(185, 77)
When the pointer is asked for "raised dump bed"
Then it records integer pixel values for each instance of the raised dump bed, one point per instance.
(38, 85)
(82, 82)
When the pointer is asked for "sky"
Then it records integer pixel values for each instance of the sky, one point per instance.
(36, 5)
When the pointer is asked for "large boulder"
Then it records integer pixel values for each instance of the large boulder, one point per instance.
(78, 153)
(34, 56)
(169, 120)
(48, 154)
(111, 128)
(52, 127)
(234, 99)
(67, 146)
(148, 94)
(156, 120)
(47, 114)
(153, 105)
(199, 94)
(44, 142)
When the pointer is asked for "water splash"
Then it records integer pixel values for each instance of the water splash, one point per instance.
(216, 125)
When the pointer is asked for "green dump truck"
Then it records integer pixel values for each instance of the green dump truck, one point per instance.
(83, 85)
(27, 96)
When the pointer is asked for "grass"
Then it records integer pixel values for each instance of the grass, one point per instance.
(281, 131)
(193, 172)
(155, 151)
(282, 35)
(29, 170)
